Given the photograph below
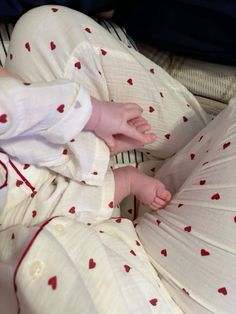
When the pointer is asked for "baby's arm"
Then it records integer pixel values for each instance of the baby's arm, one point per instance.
(41, 124)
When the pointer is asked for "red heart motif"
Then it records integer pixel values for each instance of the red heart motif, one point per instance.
(192, 156)
(53, 282)
(72, 210)
(92, 264)
(33, 194)
(215, 196)
(235, 219)
(34, 213)
(202, 182)
(180, 205)
(27, 46)
(104, 52)
(204, 252)
(26, 166)
(161, 94)
(19, 183)
(95, 173)
(185, 119)
(222, 290)
(164, 252)
(88, 30)
(52, 45)
(226, 145)
(158, 222)
(188, 228)
(130, 81)
(152, 70)
(153, 301)
(65, 152)
(54, 10)
(132, 252)
(127, 268)
(61, 108)
(3, 118)
(200, 138)
(77, 65)
(167, 136)
(151, 109)
(130, 211)
(118, 220)
(111, 205)
(138, 243)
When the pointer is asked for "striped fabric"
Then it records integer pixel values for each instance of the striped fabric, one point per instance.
(212, 84)
(5, 33)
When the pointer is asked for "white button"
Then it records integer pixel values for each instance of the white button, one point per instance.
(59, 229)
(36, 269)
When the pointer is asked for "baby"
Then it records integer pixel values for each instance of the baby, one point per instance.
(122, 127)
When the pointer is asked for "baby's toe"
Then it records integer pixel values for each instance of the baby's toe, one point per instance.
(165, 195)
(157, 203)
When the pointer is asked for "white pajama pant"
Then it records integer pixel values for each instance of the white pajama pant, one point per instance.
(192, 242)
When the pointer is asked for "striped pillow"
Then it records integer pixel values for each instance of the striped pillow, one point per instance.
(5, 34)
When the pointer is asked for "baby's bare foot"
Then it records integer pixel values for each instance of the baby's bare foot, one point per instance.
(124, 143)
(148, 190)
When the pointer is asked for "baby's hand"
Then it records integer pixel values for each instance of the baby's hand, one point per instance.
(110, 119)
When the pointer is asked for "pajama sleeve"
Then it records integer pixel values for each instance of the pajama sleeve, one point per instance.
(41, 124)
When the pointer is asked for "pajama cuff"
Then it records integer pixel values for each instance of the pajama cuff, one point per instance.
(93, 157)
(74, 121)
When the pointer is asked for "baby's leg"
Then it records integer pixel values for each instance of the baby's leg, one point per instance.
(129, 180)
